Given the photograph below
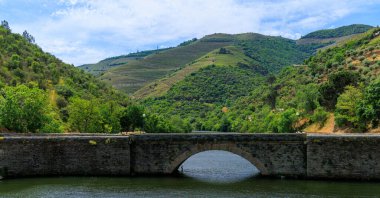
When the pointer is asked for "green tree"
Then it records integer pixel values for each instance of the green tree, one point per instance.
(132, 118)
(5, 25)
(307, 97)
(111, 112)
(369, 108)
(320, 116)
(85, 115)
(347, 107)
(156, 124)
(15, 62)
(225, 125)
(335, 86)
(284, 122)
(24, 109)
(180, 125)
(28, 37)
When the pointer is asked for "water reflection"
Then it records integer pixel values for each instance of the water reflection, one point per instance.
(167, 187)
(218, 166)
(208, 174)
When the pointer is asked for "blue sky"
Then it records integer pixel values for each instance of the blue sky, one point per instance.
(79, 31)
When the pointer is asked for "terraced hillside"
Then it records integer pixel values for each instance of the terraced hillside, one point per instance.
(233, 56)
(252, 49)
(335, 90)
(98, 68)
(137, 73)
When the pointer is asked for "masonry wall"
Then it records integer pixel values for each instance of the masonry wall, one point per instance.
(64, 155)
(295, 155)
(343, 156)
(272, 154)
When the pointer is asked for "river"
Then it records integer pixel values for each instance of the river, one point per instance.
(207, 174)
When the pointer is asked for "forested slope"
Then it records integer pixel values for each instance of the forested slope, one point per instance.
(340, 81)
(40, 93)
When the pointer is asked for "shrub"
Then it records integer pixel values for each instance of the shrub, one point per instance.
(84, 116)
(24, 109)
(346, 108)
(132, 118)
(367, 63)
(319, 116)
(156, 124)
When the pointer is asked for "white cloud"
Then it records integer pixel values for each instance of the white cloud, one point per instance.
(82, 31)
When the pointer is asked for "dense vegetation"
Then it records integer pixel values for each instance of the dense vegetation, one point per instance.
(40, 93)
(270, 52)
(134, 71)
(339, 32)
(220, 82)
(341, 83)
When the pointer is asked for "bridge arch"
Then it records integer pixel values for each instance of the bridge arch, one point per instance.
(176, 163)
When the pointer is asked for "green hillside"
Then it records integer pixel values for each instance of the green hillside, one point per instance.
(40, 93)
(137, 73)
(262, 53)
(148, 73)
(106, 64)
(328, 38)
(269, 52)
(337, 86)
(229, 55)
(339, 32)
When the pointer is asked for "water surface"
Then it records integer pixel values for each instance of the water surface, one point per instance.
(209, 174)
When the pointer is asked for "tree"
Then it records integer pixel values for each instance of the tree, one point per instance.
(224, 51)
(156, 124)
(319, 116)
(84, 115)
(15, 62)
(335, 86)
(283, 122)
(132, 118)
(24, 109)
(369, 108)
(307, 97)
(225, 125)
(110, 113)
(28, 37)
(346, 108)
(180, 125)
(5, 25)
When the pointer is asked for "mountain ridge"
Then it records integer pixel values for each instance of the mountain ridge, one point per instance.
(132, 74)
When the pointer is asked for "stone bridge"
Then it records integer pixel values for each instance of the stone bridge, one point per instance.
(291, 155)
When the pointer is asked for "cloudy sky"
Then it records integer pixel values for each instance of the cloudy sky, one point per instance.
(79, 31)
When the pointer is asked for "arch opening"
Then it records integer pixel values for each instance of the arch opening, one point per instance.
(218, 165)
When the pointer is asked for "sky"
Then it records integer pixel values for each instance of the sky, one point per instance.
(80, 31)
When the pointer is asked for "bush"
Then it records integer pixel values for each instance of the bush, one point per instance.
(24, 109)
(319, 116)
(367, 63)
(347, 107)
(284, 122)
(156, 124)
(84, 116)
(369, 108)
(132, 118)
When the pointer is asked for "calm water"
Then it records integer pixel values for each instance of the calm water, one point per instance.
(208, 174)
